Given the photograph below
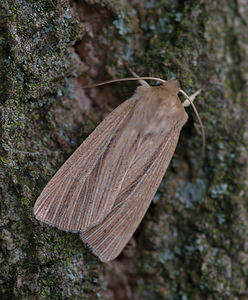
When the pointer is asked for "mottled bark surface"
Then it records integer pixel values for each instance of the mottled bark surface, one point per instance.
(193, 242)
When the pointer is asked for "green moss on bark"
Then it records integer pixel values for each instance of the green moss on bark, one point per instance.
(192, 243)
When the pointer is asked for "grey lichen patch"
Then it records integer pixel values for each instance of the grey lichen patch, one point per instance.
(190, 193)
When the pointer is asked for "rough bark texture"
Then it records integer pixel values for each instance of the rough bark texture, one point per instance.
(193, 242)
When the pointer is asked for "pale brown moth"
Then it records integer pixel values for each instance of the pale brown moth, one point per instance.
(105, 188)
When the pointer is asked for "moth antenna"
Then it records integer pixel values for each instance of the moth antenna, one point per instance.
(142, 82)
(190, 98)
(123, 79)
(188, 102)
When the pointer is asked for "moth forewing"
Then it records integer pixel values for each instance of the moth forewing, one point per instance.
(66, 201)
(106, 186)
(109, 237)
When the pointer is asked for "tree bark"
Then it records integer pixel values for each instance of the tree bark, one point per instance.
(192, 243)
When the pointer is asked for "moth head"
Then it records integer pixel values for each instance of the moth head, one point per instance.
(172, 85)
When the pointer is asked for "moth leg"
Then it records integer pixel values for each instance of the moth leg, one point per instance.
(141, 81)
(191, 97)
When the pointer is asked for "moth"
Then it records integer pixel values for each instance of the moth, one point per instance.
(105, 188)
